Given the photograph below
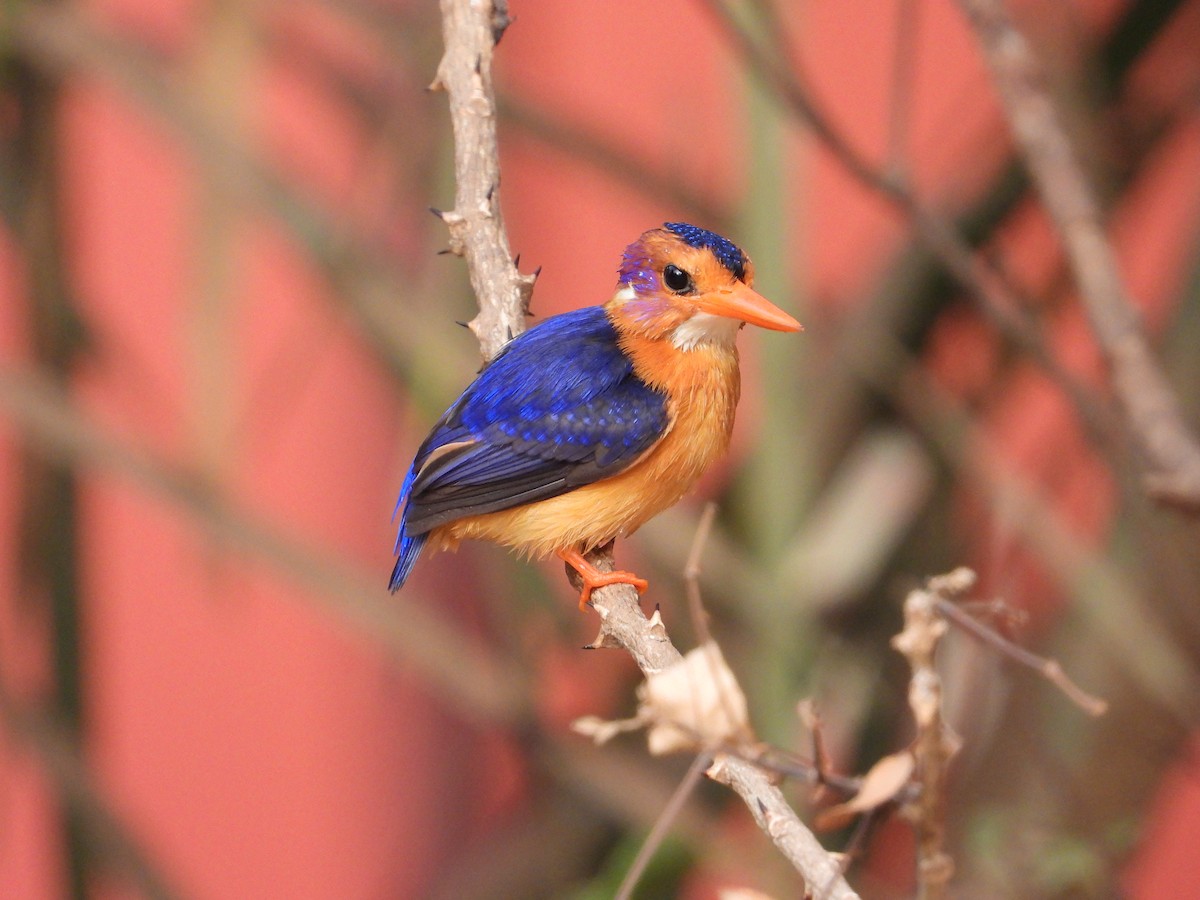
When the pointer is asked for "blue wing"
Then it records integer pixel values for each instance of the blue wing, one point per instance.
(558, 408)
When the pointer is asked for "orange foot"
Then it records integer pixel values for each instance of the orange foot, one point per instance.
(594, 578)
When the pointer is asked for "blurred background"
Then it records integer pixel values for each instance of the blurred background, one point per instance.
(226, 327)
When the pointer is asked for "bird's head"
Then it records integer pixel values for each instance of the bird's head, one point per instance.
(690, 286)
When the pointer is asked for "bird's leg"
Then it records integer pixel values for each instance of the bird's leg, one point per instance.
(593, 578)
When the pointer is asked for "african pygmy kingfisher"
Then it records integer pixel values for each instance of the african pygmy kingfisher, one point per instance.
(594, 421)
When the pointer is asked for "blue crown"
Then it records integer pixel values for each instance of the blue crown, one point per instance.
(726, 251)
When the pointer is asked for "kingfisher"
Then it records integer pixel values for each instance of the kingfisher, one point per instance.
(593, 421)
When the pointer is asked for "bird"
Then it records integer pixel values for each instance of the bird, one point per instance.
(593, 421)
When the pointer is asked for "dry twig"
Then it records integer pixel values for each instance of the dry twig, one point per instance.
(1050, 669)
(928, 612)
(923, 629)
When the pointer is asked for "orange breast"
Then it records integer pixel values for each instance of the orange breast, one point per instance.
(702, 387)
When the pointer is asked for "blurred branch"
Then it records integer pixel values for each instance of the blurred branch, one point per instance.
(478, 682)
(1149, 402)
(65, 39)
(981, 280)
(471, 31)
(47, 551)
(222, 68)
(571, 136)
(112, 846)
(900, 104)
(662, 825)
(599, 150)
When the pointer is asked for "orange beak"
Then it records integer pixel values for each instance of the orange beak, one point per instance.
(741, 302)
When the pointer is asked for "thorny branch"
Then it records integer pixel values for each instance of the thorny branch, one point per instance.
(1171, 450)
(470, 30)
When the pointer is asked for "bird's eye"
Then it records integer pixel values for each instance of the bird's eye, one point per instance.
(677, 280)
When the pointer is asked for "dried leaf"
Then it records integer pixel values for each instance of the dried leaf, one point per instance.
(880, 785)
(604, 730)
(694, 703)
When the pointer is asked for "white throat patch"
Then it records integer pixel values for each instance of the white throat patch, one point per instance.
(705, 328)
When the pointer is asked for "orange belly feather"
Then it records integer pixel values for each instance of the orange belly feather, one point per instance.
(702, 387)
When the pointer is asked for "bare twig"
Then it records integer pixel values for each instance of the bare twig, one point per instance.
(923, 629)
(1119, 616)
(790, 765)
(1050, 669)
(1151, 407)
(476, 225)
(821, 870)
(811, 718)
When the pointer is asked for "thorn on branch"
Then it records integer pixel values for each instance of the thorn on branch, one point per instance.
(500, 20)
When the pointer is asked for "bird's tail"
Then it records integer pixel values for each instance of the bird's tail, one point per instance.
(407, 549)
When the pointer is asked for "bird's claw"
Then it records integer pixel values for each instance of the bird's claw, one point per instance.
(592, 578)
(603, 579)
